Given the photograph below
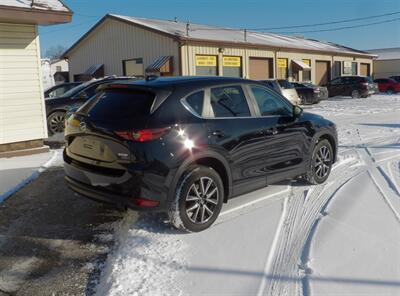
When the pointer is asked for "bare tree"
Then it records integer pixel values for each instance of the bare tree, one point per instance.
(54, 52)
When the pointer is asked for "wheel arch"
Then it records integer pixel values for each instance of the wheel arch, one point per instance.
(332, 141)
(207, 158)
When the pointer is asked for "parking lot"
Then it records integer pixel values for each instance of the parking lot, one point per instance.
(288, 238)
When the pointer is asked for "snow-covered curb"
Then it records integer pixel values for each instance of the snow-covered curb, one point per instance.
(55, 155)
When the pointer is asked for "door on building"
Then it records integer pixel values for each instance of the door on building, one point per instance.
(322, 72)
(365, 69)
(261, 68)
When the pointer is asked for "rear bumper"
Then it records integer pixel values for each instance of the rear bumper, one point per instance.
(123, 191)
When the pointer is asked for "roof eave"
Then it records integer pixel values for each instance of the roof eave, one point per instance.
(20, 15)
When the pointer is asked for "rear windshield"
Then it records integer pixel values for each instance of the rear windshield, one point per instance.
(119, 104)
(285, 84)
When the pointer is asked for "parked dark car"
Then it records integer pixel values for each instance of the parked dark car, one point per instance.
(396, 78)
(186, 145)
(354, 86)
(60, 89)
(56, 108)
(310, 93)
(388, 85)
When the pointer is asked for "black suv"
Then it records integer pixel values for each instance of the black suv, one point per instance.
(186, 145)
(57, 107)
(354, 86)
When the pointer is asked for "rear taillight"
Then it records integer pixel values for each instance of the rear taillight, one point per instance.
(364, 83)
(144, 135)
(316, 90)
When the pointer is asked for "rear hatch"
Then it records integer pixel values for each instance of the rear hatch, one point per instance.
(95, 134)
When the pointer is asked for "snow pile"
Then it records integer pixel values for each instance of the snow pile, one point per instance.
(147, 258)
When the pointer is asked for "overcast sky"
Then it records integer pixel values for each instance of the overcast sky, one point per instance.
(244, 14)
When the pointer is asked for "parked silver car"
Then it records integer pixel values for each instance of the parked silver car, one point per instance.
(285, 88)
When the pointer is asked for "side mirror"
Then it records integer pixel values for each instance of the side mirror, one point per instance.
(297, 111)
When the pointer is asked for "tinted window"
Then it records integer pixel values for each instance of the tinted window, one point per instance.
(229, 102)
(285, 84)
(195, 101)
(269, 102)
(119, 104)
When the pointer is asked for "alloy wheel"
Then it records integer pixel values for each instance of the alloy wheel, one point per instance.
(323, 162)
(57, 122)
(202, 200)
(355, 94)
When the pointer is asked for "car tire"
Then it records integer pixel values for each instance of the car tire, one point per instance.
(56, 122)
(389, 91)
(355, 94)
(197, 203)
(321, 163)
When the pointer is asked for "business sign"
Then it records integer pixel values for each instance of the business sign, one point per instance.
(347, 67)
(235, 62)
(206, 61)
(307, 62)
(282, 63)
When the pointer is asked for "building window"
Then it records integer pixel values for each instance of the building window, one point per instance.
(307, 72)
(133, 67)
(347, 68)
(354, 68)
(232, 66)
(206, 65)
(282, 68)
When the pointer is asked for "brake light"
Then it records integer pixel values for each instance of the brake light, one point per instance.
(144, 135)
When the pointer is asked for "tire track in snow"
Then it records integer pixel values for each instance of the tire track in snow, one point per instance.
(283, 273)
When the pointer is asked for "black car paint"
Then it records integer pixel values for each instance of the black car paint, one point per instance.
(248, 153)
(307, 93)
(67, 86)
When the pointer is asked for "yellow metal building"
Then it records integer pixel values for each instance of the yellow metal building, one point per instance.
(134, 46)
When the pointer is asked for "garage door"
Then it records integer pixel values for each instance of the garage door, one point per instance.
(260, 68)
(322, 72)
(365, 70)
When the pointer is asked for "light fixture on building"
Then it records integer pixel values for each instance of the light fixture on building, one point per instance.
(221, 50)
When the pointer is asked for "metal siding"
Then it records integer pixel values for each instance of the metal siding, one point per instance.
(22, 114)
(189, 53)
(115, 41)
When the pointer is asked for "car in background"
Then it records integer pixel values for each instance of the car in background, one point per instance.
(310, 93)
(388, 85)
(285, 88)
(354, 86)
(186, 145)
(56, 108)
(60, 89)
(396, 78)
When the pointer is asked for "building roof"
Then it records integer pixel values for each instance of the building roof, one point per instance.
(54, 5)
(42, 12)
(386, 53)
(213, 34)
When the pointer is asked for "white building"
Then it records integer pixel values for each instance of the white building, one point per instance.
(22, 111)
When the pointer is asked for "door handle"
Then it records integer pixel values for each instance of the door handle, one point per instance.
(218, 134)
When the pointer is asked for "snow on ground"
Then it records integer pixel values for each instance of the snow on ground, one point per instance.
(16, 172)
(341, 237)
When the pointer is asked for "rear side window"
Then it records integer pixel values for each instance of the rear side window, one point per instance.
(195, 102)
(120, 104)
(229, 101)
